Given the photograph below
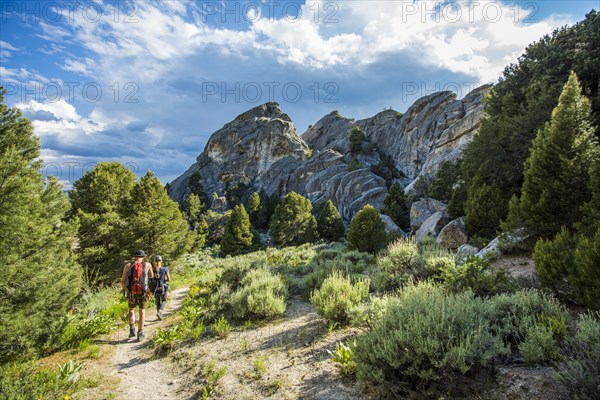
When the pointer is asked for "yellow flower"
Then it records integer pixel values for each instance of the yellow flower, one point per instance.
(67, 397)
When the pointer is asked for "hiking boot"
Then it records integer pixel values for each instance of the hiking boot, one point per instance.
(131, 331)
(141, 336)
(159, 315)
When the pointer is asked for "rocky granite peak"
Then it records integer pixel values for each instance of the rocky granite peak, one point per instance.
(262, 149)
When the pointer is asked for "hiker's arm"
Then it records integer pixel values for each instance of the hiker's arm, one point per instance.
(150, 270)
(124, 278)
(168, 276)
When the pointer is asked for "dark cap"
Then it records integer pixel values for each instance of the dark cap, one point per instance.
(140, 253)
(158, 258)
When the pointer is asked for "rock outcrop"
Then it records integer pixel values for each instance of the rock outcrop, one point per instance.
(421, 210)
(453, 235)
(464, 252)
(432, 226)
(261, 148)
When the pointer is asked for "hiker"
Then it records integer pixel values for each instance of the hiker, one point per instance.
(162, 277)
(135, 281)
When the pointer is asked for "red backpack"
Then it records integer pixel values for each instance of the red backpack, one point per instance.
(137, 278)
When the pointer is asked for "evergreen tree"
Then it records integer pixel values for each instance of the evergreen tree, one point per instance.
(441, 187)
(238, 236)
(395, 206)
(521, 103)
(482, 214)
(201, 234)
(156, 224)
(197, 188)
(256, 210)
(271, 204)
(591, 210)
(356, 139)
(40, 279)
(586, 277)
(194, 210)
(367, 231)
(329, 222)
(98, 201)
(293, 222)
(557, 171)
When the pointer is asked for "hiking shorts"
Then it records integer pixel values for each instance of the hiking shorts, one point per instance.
(138, 300)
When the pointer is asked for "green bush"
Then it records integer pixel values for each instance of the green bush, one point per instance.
(262, 295)
(475, 274)
(579, 372)
(539, 344)
(25, 381)
(164, 339)
(588, 331)
(220, 328)
(329, 222)
(343, 356)
(238, 236)
(400, 264)
(427, 335)
(80, 329)
(368, 314)
(338, 295)
(516, 314)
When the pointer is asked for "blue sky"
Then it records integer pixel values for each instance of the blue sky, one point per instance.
(147, 82)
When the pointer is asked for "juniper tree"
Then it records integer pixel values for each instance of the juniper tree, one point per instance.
(40, 279)
(293, 222)
(557, 171)
(329, 222)
(367, 231)
(396, 207)
(238, 236)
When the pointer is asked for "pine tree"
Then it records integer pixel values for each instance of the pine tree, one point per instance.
(202, 234)
(395, 206)
(98, 200)
(329, 222)
(367, 231)
(197, 188)
(293, 222)
(156, 224)
(40, 279)
(482, 214)
(238, 236)
(194, 210)
(256, 210)
(591, 210)
(557, 171)
(356, 139)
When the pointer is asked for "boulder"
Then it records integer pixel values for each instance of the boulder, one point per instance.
(465, 251)
(491, 250)
(390, 226)
(219, 204)
(432, 226)
(422, 209)
(453, 235)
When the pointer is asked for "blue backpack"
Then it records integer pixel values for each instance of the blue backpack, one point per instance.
(159, 283)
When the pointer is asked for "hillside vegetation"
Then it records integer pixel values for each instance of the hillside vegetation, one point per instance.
(413, 318)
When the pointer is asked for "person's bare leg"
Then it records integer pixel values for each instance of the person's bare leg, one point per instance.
(142, 319)
(131, 316)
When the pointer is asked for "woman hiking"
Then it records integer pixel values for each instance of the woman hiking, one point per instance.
(162, 277)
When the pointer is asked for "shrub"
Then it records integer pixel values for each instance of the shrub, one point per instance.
(343, 356)
(370, 313)
(354, 165)
(262, 295)
(427, 335)
(367, 231)
(356, 138)
(21, 381)
(220, 328)
(553, 261)
(164, 339)
(337, 295)
(539, 344)
(400, 264)
(81, 329)
(588, 331)
(475, 274)
(395, 205)
(515, 315)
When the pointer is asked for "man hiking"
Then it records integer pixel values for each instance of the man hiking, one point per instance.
(135, 281)
(162, 277)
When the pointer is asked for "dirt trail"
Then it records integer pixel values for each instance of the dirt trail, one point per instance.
(139, 375)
